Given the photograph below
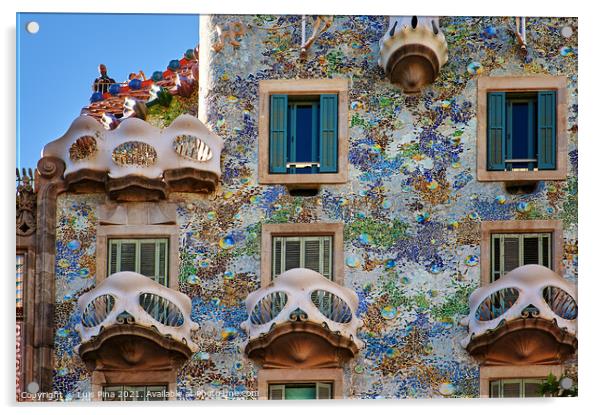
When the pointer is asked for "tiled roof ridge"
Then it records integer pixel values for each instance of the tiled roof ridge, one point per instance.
(179, 78)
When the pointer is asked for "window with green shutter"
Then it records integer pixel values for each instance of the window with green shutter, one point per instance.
(312, 252)
(515, 388)
(303, 134)
(521, 131)
(148, 257)
(510, 251)
(314, 390)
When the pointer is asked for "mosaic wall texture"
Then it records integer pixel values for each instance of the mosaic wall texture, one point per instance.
(412, 207)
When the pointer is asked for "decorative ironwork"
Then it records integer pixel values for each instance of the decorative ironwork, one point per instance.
(134, 153)
(191, 147)
(560, 302)
(496, 304)
(97, 310)
(83, 148)
(268, 307)
(161, 309)
(331, 306)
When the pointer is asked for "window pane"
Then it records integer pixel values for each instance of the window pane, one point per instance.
(496, 259)
(277, 257)
(19, 283)
(312, 254)
(520, 133)
(112, 393)
(276, 392)
(292, 254)
(128, 257)
(532, 388)
(531, 250)
(162, 271)
(147, 259)
(324, 391)
(113, 259)
(307, 391)
(494, 389)
(156, 393)
(327, 257)
(545, 251)
(511, 389)
(511, 253)
(304, 133)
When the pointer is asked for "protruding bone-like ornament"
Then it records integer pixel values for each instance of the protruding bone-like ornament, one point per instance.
(137, 161)
(529, 316)
(302, 320)
(129, 320)
(412, 51)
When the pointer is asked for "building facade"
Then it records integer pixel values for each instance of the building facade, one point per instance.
(314, 207)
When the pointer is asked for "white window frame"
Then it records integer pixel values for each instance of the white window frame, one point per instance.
(317, 385)
(499, 383)
(521, 238)
(138, 242)
(302, 239)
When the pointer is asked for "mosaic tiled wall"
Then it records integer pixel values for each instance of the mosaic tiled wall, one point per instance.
(412, 207)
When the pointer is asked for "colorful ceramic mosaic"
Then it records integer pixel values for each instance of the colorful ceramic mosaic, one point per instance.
(191, 147)
(85, 147)
(134, 153)
(412, 207)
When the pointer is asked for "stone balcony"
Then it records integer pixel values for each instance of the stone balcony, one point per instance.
(302, 320)
(131, 323)
(529, 316)
(137, 161)
(412, 51)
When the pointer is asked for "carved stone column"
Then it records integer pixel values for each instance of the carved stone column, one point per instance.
(49, 181)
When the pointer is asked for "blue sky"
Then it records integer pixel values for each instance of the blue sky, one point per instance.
(56, 66)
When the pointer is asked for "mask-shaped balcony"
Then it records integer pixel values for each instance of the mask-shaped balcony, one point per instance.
(412, 51)
(133, 324)
(136, 161)
(529, 316)
(302, 320)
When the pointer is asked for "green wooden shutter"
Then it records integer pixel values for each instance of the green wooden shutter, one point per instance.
(329, 133)
(276, 257)
(511, 388)
(312, 253)
(323, 391)
(546, 130)
(531, 388)
(278, 133)
(147, 259)
(127, 261)
(292, 253)
(276, 392)
(496, 130)
(494, 389)
(327, 257)
(496, 257)
(114, 248)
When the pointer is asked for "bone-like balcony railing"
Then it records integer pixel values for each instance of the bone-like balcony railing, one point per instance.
(303, 295)
(528, 291)
(182, 157)
(131, 298)
(412, 51)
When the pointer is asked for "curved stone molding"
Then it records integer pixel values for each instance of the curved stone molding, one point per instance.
(412, 51)
(515, 319)
(97, 159)
(302, 319)
(132, 295)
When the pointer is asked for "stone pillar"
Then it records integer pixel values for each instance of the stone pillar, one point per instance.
(49, 181)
